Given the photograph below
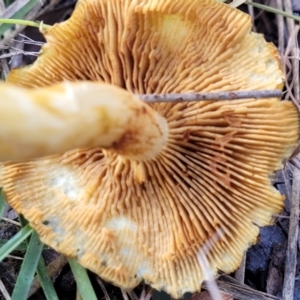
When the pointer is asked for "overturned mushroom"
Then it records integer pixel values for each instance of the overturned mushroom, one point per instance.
(132, 218)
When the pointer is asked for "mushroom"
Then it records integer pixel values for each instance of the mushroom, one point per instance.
(130, 218)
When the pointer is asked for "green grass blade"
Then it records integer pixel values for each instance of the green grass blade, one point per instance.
(21, 247)
(20, 14)
(24, 22)
(23, 223)
(15, 241)
(2, 203)
(45, 281)
(28, 268)
(42, 273)
(82, 280)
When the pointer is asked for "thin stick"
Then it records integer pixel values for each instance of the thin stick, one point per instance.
(291, 257)
(235, 95)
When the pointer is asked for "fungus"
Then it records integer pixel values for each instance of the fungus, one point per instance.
(130, 218)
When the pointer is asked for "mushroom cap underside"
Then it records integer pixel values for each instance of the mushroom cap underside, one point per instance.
(156, 47)
(130, 221)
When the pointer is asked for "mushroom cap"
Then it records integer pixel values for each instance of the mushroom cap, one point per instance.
(130, 220)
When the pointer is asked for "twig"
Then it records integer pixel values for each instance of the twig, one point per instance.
(291, 257)
(4, 291)
(234, 95)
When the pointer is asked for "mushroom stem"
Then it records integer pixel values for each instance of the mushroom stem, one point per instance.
(62, 117)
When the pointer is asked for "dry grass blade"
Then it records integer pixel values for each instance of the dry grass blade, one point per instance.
(133, 296)
(146, 295)
(16, 60)
(13, 8)
(251, 13)
(28, 41)
(236, 3)
(2, 6)
(291, 68)
(18, 52)
(294, 92)
(15, 257)
(124, 294)
(11, 221)
(204, 265)
(291, 258)
(231, 286)
(4, 291)
(240, 272)
(99, 281)
(280, 24)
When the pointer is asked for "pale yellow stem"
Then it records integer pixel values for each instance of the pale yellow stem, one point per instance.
(58, 118)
